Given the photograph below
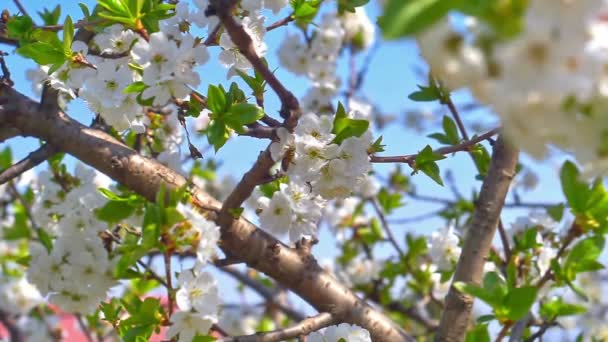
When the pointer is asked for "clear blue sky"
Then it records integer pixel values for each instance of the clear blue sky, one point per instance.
(390, 80)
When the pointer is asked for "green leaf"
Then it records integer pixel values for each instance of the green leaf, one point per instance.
(389, 201)
(135, 87)
(557, 307)
(350, 5)
(244, 113)
(50, 17)
(216, 100)
(425, 162)
(451, 131)
(85, 10)
(45, 239)
(575, 190)
(478, 334)
(402, 18)
(115, 211)
(482, 158)
(107, 193)
(519, 301)
(68, 35)
(426, 94)
(42, 53)
(583, 257)
(19, 26)
(556, 212)
(377, 146)
(477, 292)
(111, 310)
(6, 158)
(344, 127)
(217, 134)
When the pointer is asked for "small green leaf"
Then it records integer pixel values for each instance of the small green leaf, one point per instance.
(482, 159)
(42, 53)
(217, 134)
(425, 162)
(478, 334)
(245, 113)
(216, 100)
(450, 129)
(575, 190)
(557, 307)
(519, 301)
(402, 18)
(85, 10)
(556, 212)
(583, 257)
(377, 146)
(45, 239)
(6, 158)
(344, 127)
(68, 35)
(135, 87)
(115, 211)
(426, 94)
(389, 201)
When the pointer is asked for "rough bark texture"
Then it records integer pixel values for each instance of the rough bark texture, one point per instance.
(477, 243)
(241, 240)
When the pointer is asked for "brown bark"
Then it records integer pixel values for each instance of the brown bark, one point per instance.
(477, 243)
(241, 240)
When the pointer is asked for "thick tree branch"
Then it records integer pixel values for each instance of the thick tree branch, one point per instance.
(31, 161)
(478, 241)
(303, 328)
(242, 240)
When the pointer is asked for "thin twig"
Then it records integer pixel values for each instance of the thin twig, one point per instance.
(265, 292)
(21, 8)
(83, 327)
(304, 327)
(386, 227)
(464, 146)
(281, 22)
(11, 326)
(32, 160)
(168, 285)
(290, 106)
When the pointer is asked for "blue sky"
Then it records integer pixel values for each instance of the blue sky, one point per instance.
(390, 79)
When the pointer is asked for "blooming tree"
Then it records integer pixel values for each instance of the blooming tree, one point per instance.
(131, 237)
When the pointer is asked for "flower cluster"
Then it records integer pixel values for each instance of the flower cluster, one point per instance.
(198, 299)
(196, 231)
(553, 72)
(78, 271)
(318, 170)
(317, 61)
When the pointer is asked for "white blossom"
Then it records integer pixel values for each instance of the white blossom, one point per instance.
(443, 248)
(343, 331)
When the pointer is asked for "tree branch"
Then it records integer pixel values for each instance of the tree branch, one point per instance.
(410, 158)
(477, 243)
(263, 291)
(241, 239)
(31, 161)
(290, 106)
(303, 328)
(10, 325)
